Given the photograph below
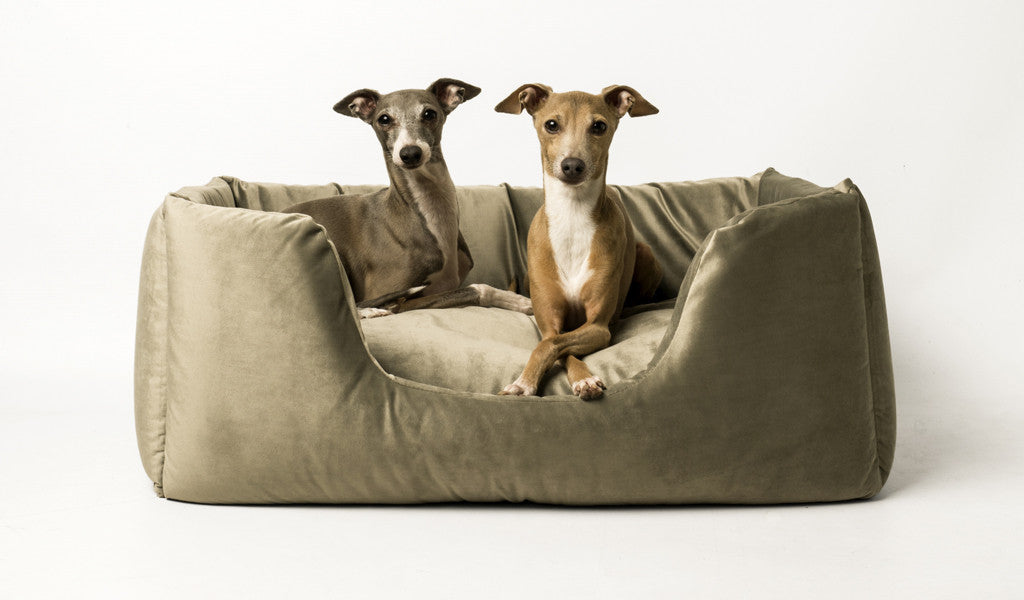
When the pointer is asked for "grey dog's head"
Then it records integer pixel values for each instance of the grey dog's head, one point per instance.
(408, 123)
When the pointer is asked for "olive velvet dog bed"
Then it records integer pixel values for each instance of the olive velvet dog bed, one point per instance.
(766, 379)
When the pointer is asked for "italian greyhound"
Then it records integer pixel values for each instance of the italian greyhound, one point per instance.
(405, 240)
(582, 256)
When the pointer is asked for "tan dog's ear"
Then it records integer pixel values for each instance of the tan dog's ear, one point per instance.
(530, 96)
(625, 99)
(359, 104)
(452, 92)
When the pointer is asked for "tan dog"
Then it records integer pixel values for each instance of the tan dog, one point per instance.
(581, 251)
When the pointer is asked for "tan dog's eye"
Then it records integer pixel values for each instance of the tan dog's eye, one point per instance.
(551, 126)
(598, 127)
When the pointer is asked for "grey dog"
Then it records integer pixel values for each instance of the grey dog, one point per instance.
(405, 240)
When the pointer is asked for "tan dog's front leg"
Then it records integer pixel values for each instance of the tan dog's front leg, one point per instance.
(584, 384)
(584, 340)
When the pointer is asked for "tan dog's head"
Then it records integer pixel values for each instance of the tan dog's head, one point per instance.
(575, 128)
(408, 123)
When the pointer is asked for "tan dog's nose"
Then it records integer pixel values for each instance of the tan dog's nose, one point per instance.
(573, 170)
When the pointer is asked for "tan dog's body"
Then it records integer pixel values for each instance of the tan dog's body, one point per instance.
(581, 251)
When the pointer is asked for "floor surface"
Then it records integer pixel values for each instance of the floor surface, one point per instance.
(77, 516)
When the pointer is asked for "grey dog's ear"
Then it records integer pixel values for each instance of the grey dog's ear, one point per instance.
(452, 92)
(359, 104)
(529, 96)
(625, 99)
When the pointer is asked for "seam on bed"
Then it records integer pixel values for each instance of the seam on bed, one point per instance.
(521, 265)
(855, 193)
(158, 485)
(757, 190)
(861, 235)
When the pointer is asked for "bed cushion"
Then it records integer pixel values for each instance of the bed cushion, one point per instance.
(768, 379)
(481, 350)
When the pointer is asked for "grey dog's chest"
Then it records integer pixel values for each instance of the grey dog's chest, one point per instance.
(422, 253)
(408, 240)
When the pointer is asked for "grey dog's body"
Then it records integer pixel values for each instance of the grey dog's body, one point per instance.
(405, 239)
(385, 241)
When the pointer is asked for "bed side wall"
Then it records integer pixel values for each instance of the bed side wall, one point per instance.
(151, 351)
(770, 356)
(776, 187)
(274, 197)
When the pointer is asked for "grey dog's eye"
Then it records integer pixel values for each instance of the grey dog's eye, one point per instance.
(429, 114)
(384, 120)
(551, 126)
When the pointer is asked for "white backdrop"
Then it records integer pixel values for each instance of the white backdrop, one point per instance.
(104, 109)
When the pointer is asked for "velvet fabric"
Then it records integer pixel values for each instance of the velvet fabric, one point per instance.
(766, 379)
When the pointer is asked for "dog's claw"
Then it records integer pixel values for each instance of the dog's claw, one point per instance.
(525, 306)
(518, 388)
(589, 388)
(372, 313)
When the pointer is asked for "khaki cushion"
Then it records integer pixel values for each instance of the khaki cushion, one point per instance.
(481, 350)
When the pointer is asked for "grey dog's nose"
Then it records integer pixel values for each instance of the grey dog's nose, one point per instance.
(572, 169)
(410, 155)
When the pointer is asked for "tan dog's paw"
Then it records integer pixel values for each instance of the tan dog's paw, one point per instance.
(589, 388)
(518, 388)
(373, 313)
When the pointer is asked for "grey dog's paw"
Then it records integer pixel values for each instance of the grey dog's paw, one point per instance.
(373, 313)
(490, 296)
(519, 303)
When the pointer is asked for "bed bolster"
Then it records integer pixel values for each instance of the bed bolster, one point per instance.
(769, 356)
(287, 331)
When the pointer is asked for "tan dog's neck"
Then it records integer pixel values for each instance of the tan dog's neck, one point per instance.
(561, 196)
(571, 212)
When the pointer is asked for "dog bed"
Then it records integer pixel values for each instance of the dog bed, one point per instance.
(766, 379)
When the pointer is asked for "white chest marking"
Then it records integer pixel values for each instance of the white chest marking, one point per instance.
(571, 230)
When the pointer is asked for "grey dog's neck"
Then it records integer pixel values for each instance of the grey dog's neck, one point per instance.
(429, 187)
(429, 191)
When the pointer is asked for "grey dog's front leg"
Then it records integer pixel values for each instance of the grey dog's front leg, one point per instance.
(477, 294)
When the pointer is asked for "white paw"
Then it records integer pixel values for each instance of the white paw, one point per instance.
(372, 313)
(518, 388)
(589, 388)
(490, 296)
(524, 305)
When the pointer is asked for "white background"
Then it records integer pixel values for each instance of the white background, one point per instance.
(104, 109)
